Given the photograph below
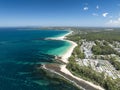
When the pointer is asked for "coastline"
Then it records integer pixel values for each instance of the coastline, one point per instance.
(65, 72)
(59, 37)
(68, 52)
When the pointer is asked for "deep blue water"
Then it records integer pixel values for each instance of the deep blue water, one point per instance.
(22, 52)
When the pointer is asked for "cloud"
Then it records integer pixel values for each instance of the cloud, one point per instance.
(114, 22)
(97, 7)
(95, 14)
(105, 14)
(85, 8)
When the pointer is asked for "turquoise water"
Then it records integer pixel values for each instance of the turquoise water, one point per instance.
(22, 52)
(61, 50)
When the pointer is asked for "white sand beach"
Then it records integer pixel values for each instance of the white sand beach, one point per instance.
(66, 71)
(60, 37)
(68, 52)
(65, 57)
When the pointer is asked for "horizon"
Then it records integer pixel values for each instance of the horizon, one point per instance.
(60, 13)
(58, 27)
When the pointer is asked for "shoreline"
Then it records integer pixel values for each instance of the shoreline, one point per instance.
(65, 72)
(68, 52)
(59, 37)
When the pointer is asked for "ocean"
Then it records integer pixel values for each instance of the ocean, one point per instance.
(22, 51)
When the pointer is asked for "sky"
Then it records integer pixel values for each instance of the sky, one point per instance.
(91, 13)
